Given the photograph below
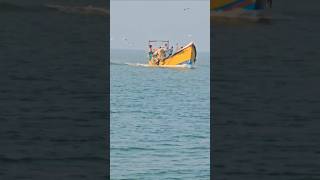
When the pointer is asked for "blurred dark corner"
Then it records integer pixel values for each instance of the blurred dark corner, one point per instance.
(54, 92)
(265, 95)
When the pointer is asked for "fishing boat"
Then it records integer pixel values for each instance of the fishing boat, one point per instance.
(241, 9)
(165, 57)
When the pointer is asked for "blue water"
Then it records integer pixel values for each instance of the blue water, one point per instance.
(159, 119)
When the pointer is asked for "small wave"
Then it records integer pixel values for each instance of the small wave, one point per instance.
(137, 64)
(130, 64)
(182, 66)
(132, 149)
(161, 66)
(116, 63)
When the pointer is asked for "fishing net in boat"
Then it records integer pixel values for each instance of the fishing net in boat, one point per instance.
(158, 56)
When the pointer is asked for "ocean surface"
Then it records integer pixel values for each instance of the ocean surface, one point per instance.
(266, 95)
(53, 92)
(160, 119)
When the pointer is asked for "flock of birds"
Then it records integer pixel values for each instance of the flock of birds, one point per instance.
(129, 43)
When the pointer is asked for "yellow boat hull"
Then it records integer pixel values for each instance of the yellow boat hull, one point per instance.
(186, 55)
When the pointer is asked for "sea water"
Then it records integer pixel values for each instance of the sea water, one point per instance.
(160, 117)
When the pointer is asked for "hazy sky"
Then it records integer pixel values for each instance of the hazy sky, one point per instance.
(133, 23)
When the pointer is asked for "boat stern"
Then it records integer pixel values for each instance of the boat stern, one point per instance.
(185, 56)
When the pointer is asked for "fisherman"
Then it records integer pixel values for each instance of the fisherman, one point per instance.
(150, 52)
(166, 47)
(170, 51)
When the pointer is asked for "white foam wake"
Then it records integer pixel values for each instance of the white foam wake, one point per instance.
(161, 66)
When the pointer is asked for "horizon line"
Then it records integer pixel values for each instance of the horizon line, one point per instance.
(143, 49)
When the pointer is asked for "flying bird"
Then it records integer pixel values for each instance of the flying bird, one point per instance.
(127, 41)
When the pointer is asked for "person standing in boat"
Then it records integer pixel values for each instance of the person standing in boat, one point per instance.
(150, 52)
(166, 49)
(170, 51)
